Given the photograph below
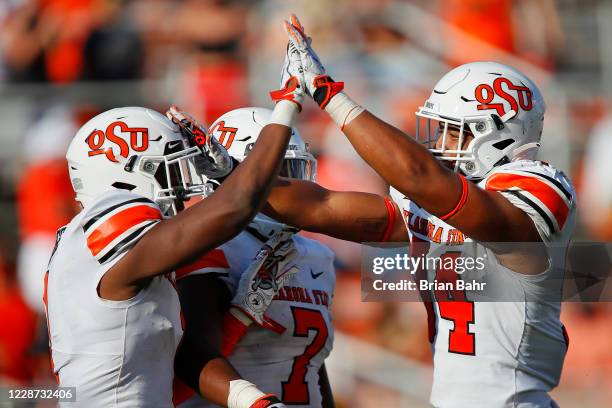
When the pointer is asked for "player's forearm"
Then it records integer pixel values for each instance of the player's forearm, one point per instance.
(297, 203)
(398, 159)
(403, 163)
(220, 384)
(350, 216)
(247, 189)
(214, 380)
(393, 154)
(219, 217)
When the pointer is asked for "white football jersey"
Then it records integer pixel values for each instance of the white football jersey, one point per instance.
(116, 353)
(287, 364)
(499, 354)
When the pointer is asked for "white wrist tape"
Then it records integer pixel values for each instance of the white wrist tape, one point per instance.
(343, 109)
(284, 113)
(242, 394)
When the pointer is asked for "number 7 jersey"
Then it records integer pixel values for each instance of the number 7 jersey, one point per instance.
(286, 364)
(497, 353)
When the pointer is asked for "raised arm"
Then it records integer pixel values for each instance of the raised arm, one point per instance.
(408, 166)
(352, 216)
(214, 220)
(484, 215)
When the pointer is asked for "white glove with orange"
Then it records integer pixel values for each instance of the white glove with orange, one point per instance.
(273, 265)
(292, 90)
(321, 87)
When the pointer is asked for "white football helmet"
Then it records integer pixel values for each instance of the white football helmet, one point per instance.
(497, 104)
(238, 130)
(135, 149)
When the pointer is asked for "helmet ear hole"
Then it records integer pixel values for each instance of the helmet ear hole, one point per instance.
(502, 144)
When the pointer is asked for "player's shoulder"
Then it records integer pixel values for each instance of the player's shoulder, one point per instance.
(316, 262)
(529, 174)
(240, 250)
(536, 187)
(316, 256)
(115, 219)
(115, 201)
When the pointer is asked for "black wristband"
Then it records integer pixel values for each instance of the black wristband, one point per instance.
(325, 89)
(321, 93)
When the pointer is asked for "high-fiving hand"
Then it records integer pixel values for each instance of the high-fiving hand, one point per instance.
(318, 85)
(292, 79)
(321, 87)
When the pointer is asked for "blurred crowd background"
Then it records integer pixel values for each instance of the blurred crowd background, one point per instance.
(63, 61)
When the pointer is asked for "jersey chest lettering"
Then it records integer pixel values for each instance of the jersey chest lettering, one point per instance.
(300, 294)
(435, 233)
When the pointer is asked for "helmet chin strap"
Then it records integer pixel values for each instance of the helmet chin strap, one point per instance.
(527, 151)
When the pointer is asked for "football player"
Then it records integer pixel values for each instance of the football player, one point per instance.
(477, 184)
(284, 355)
(112, 308)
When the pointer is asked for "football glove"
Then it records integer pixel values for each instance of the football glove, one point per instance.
(215, 162)
(321, 87)
(272, 267)
(292, 79)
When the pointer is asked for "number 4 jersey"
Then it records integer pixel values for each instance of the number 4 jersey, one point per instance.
(498, 353)
(287, 364)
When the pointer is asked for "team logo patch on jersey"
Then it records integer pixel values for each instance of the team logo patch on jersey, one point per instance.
(257, 302)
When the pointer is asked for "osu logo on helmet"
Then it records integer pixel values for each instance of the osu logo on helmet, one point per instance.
(226, 138)
(485, 93)
(138, 140)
